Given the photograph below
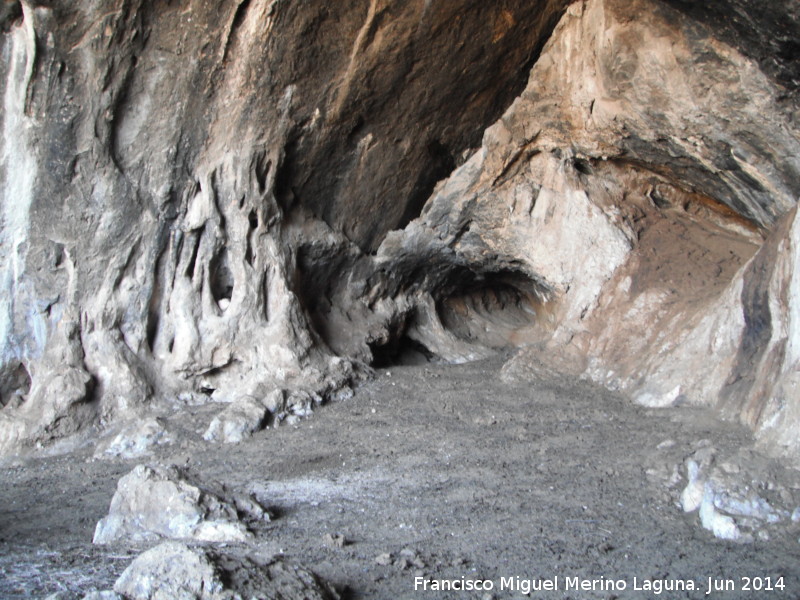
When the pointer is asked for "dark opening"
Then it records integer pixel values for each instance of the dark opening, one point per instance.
(221, 277)
(498, 310)
(402, 351)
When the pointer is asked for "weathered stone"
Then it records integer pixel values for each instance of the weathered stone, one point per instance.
(154, 502)
(613, 224)
(185, 218)
(730, 496)
(105, 595)
(135, 439)
(240, 420)
(175, 571)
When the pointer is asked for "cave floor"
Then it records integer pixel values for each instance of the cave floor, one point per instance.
(448, 469)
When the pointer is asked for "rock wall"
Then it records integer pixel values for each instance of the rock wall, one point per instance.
(643, 188)
(207, 199)
(180, 179)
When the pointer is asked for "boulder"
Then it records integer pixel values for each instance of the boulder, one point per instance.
(240, 420)
(176, 571)
(154, 502)
(738, 498)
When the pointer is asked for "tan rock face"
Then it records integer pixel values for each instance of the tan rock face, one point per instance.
(220, 200)
(633, 184)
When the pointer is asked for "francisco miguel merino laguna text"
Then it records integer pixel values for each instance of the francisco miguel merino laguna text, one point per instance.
(557, 583)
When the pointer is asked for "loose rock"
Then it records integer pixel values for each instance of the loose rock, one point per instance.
(335, 541)
(731, 496)
(240, 420)
(175, 571)
(136, 439)
(154, 502)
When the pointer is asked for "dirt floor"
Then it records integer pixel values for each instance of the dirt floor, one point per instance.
(450, 471)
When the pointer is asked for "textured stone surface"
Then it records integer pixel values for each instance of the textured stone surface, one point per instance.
(735, 497)
(628, 217)
(218, 200)
(182, 182)
(135, 439)
(237, 422)
(175, 571)
(154, 502)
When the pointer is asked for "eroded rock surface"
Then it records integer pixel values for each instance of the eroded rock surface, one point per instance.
(630, 216)
(216, 200)
(135, 439)
(175, 571)
(240, 420)
(154, 502)
(182, 183)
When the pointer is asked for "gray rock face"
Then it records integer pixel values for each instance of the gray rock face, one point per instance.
(164, 502)
(179, 183)
(622, 221)
(220, 200)
(175, 571)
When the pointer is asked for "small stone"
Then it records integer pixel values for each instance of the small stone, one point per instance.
(240, 420)
(384, 559)
(135, 439)
(174, 570)
(342, 394)
(274, 402)
(334, 540)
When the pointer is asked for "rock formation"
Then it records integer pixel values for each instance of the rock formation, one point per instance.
(153, 502)
(177, 571)
(225, 201)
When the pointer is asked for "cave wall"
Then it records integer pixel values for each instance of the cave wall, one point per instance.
(209, 201)
(645, 183)
(180, 179)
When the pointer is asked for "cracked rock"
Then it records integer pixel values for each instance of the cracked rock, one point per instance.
(175, 571)
(736, 498)
(154, 502)
(135, 439)
(239, 421)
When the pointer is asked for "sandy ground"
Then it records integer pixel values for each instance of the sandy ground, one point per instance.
(449, 470)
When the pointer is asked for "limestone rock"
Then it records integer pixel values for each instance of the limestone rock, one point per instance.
(188, 220)
(153, 502)
(175, 571)
(104, 595)
(240, 420)
(737, 498)
(317, 188)
(135, 439)
(618, 224)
